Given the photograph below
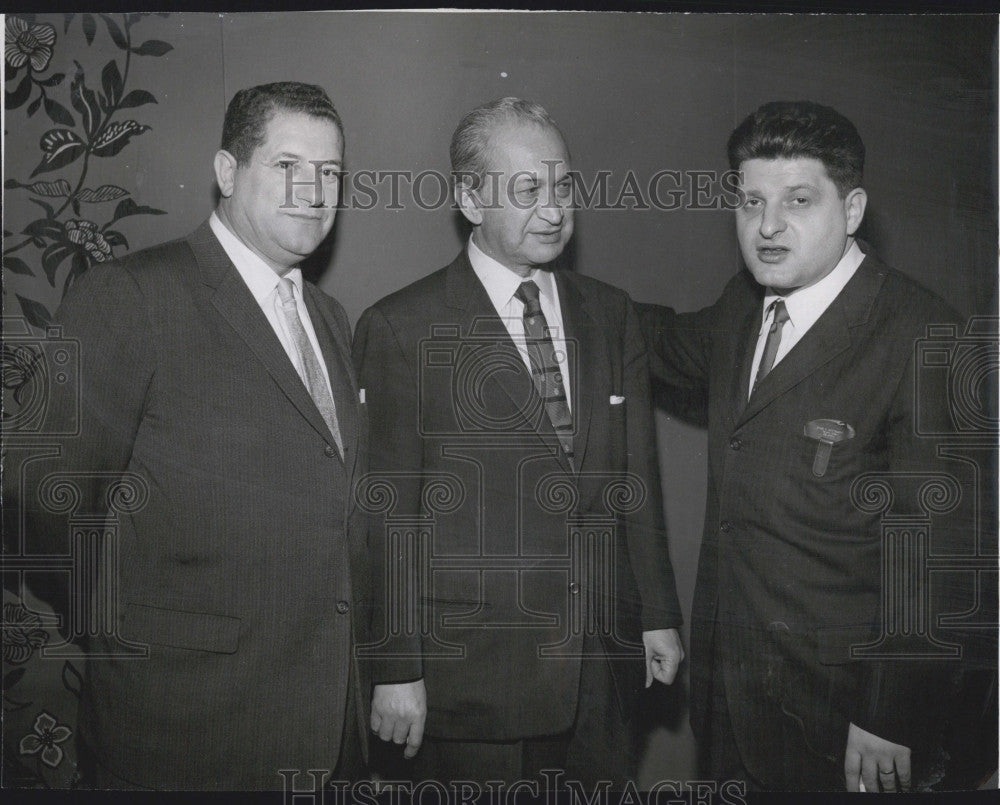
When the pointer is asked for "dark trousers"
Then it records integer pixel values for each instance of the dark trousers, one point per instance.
(601, 746)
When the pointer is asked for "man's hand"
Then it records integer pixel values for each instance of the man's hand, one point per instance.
(876, 762)
(398, 714)
(663, 655)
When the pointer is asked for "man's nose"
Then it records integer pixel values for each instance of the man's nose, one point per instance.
(551, 210)
(772, 221)
(311, 193)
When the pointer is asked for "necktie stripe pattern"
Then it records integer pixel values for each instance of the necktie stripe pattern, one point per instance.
(313, 376)
(773, 340)
(544, 366)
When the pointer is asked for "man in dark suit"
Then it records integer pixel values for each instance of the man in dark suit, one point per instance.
(218, 384)
(807, 361)
(541, 579)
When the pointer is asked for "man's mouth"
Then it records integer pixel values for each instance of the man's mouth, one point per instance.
(771, 254)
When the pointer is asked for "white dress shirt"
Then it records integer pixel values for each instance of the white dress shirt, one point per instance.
(501, 283)
(804, 306)
(262, 280)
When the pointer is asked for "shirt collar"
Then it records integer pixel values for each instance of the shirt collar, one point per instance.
(501, 283)
(260, 278)
(806, 305)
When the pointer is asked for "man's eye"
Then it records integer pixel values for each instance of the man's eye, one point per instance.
(800, 201)
(751, 203)
(285, 164)
(331, 173)
(563, 189)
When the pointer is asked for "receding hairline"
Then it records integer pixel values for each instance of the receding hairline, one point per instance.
(511, 124)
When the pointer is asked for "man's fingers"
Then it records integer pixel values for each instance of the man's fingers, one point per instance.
(668, 671)
(386, 728)
(869, 773)
(903, 771)
(887, 779)
(415, 738)
(852, 771)
(400, 731)
(376, 720)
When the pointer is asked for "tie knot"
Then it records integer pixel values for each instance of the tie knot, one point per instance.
(527, 292)
(286, 291)
(780, 312)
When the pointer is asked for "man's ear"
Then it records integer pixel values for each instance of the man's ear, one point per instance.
(854, 207)
(468, 202)
(225, 172)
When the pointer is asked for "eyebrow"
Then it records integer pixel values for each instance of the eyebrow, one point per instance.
(290, 155)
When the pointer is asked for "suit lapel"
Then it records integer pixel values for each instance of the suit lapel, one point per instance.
(465, 293)
(342, 382)
(237, 306)
(742, 350)
(580, 320)
(827, 338)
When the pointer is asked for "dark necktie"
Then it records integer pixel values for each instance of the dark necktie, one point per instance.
(544, 368)
(310, 371)
(773, 341)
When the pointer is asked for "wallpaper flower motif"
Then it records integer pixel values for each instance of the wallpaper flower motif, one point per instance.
(45, 739)
(23, 42)
(73, 227)
(22, 633)
(89, 116)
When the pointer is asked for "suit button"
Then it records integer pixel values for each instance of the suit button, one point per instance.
(343, 607)
(574, 588)
(725, 526)
(329, 451)
(735, 444)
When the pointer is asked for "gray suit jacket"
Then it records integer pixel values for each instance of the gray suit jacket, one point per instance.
(244, 568)
(790, 573)
(505, 589)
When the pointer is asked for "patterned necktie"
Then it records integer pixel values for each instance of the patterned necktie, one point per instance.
(311, 372)
(773, 341)
(544, 368)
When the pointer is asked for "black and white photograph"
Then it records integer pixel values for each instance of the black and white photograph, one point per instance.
(484, 406)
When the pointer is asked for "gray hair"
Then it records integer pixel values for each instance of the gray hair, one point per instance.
(470, 144)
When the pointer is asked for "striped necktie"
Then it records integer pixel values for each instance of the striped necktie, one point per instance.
(309, 369)
(773, 341)
(544, 368)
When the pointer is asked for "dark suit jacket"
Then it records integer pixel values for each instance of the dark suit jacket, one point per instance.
(245, 571)
(451, 401)
(789, 576)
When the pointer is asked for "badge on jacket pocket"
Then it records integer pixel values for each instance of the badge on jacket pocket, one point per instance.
(827, 432)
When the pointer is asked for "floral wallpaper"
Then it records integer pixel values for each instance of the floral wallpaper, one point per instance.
(92, 115)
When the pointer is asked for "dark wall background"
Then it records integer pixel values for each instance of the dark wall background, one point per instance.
(633, 92)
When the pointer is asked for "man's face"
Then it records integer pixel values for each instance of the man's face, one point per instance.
(282, 222)
(525, 217)
(794, 227)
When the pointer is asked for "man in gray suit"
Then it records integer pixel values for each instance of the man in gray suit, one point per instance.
(219, 381)
(807, 362)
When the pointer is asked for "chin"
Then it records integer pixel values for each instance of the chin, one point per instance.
(547, 255)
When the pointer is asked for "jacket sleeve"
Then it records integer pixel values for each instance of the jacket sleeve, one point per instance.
(395, 460)
(901, 697)
(646, 530)
(104, 324)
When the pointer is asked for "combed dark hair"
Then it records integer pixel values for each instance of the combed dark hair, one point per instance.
(791, 129)
(251, 109)
(470, 143)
